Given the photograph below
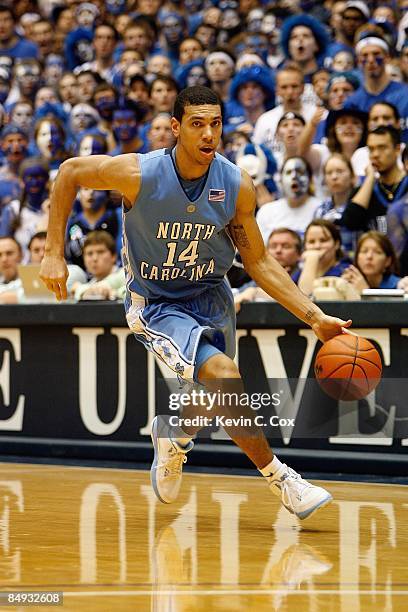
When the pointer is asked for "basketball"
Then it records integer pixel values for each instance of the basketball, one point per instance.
(348, 367)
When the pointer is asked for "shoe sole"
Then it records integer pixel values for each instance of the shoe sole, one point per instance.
(154, 464)
(308, 513)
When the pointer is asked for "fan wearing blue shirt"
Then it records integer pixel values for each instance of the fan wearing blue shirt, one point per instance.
(373, 54)
(10, 44)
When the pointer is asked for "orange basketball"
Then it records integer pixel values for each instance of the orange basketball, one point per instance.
(348, 367)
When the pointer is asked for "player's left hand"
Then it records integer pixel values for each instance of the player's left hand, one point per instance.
(327, 327)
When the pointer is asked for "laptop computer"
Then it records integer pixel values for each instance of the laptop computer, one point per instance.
(34, 288)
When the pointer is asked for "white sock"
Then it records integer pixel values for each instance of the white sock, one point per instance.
(270, 470)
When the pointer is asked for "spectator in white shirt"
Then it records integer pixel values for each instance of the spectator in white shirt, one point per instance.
(297, 208)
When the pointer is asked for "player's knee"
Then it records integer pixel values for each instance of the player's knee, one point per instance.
(218, 367)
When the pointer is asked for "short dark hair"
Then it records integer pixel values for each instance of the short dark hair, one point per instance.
(104, 86)
(194, 96)
(37, 236)
(105, 24)
(330, 227)
(391, 106)
(395, 134)
(12, 237)
(7, 9)
(164, 78)
(100, 237)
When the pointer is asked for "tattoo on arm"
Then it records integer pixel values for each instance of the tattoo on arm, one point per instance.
(240, 237)
(309, 316)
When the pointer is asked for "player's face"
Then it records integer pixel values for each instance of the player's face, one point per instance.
(199, 132)
(371, 259)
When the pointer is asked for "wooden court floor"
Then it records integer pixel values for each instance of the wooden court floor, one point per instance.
(100, 536)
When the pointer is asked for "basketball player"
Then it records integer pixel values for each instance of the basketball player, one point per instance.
(185, 211)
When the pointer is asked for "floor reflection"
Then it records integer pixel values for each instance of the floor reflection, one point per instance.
(224, 543)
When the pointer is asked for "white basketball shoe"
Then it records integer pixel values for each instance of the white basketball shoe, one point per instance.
(297, 495)
(167, 468)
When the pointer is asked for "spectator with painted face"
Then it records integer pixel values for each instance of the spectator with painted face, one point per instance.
(21, 218)
(49, 136)
(92, 144)
(105, 101)
(297, 207)
(93, 215)
(14, 147)
(125, 125)
(173, 30)
(27, 81)
(83, 117)
(373, 55)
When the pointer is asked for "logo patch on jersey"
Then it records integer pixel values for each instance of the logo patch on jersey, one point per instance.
(216, 195)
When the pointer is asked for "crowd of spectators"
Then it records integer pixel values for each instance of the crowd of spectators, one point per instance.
(315, 105)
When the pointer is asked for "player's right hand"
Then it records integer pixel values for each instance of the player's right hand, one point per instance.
(54, 274)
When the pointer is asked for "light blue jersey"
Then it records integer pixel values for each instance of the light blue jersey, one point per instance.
(173, 247)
